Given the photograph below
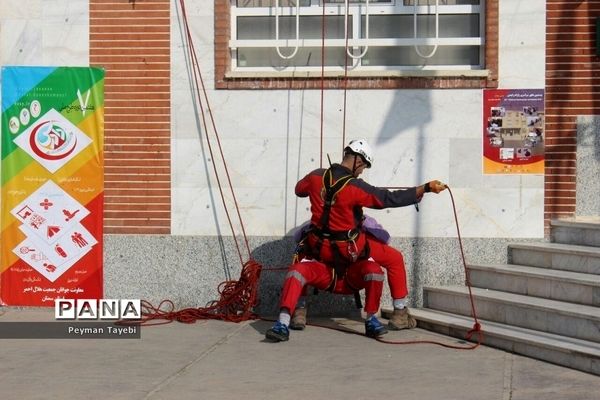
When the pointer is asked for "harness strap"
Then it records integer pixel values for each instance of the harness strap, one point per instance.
(356, 292)
(330, 191)
(337, 236)
(357, 299)
(338, 265)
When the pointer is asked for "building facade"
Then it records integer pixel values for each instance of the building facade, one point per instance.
(168, 230)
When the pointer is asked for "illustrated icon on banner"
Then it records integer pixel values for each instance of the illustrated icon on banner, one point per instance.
(73, 244)
(52, 140)
(50, 219)
(49, 212)
(34, 257)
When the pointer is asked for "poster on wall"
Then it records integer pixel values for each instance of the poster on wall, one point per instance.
(513, 131)
(52, 184)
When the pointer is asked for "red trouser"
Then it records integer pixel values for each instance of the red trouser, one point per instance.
(392, 260)
(362, 274)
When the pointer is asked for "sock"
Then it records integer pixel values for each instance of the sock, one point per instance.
(399, 304)
(284, 317)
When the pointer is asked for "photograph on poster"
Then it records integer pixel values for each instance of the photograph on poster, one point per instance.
(513, 131)
(507, 153)
(498, 111)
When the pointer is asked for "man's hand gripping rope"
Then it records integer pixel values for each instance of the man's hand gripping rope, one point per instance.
(435, 187)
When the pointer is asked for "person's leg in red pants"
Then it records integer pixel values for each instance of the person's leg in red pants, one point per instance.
(368, 275)
(363, 274)
(393, 262)
(300, 274)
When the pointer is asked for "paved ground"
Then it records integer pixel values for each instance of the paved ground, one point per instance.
(218, 360)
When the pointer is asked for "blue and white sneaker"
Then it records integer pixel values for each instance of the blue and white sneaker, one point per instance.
(374, 328)
(278, 333)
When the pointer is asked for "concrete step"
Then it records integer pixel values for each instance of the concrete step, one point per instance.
(568, 257)
(573, 353)
(557, 317)
(572, 287)
(580, 231)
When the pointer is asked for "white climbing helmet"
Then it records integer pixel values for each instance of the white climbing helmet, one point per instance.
(362, 148)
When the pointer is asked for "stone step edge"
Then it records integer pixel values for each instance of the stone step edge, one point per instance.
(569, 223)
(538, 272)
(559, 307)
(564, 344)
(551, 247)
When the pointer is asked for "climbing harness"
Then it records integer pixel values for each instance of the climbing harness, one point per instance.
(329, 192)
(322, 233)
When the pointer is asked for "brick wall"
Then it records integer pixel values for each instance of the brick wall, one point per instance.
(131, 40)
(571, 80)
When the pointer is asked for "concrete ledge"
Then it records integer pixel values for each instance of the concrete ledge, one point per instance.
(588, 165)
(188, 269)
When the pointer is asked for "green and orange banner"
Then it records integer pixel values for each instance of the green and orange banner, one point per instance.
(52, 184)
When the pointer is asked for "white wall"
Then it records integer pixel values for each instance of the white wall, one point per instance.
(271, 138)
(44, 32)
(522, 44)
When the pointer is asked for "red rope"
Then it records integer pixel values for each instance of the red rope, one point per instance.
(198, 78)
(476, 326)
(237, 297)
(236, 303)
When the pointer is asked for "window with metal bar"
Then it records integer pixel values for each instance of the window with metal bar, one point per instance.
(365, 36)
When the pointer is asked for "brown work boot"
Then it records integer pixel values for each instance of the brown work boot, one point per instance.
(298, 321)
(401, 319)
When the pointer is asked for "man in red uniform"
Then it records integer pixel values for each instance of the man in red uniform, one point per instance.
(336, 250)
(393, 263)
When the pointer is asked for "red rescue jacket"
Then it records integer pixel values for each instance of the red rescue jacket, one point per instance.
(346, 211)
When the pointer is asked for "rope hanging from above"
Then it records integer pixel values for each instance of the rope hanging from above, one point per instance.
(237, 298)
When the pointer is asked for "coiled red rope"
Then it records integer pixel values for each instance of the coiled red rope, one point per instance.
(236, 303)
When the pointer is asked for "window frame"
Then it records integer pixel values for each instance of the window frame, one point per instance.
(457, 76)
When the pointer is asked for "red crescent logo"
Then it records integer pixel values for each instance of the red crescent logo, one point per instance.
(34, 146)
